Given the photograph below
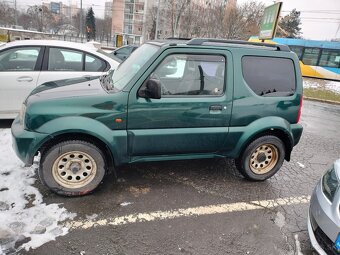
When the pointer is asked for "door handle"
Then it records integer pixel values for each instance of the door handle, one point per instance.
(215, 107)
(25, 78)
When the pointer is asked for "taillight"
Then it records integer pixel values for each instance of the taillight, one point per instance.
(299, 112)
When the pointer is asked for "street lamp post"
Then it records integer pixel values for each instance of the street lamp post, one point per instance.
(81, 20)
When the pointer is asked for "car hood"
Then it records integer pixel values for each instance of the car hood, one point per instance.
(75, 87)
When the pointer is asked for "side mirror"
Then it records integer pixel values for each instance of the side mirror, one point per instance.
(152, 89)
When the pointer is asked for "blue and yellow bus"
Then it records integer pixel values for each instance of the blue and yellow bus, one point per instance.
(318, 59)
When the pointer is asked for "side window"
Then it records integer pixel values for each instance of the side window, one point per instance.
(330, 58)
(65, 60)
(184, 74)
(310, 56)
(298, 50)
(94, 64)
(19, 59)
(268, 76)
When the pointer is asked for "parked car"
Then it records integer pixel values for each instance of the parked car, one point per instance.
(26, 64)
(169, 100)
(123, 52)
(323, 217)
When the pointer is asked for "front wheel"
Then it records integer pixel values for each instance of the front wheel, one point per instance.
(262, 158)
(72, 168)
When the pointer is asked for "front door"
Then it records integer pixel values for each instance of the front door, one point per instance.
(192, 116)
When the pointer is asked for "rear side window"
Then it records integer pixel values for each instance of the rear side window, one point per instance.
(93, 64)
(268, 76)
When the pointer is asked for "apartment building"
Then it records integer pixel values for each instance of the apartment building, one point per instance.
(128, 19)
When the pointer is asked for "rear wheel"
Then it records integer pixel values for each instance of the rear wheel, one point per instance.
(262, 158)
(72, 168)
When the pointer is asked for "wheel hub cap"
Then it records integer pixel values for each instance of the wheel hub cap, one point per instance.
(74, 169)
(264, 158)
(261, 157)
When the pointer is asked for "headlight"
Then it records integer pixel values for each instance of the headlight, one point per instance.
(22, 114)
(330, 183)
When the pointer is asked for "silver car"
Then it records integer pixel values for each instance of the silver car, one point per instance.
(324, 213)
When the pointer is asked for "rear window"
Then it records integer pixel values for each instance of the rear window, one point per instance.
(268, 76)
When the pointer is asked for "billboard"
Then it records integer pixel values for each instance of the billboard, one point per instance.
(55, 7)
(269, 21)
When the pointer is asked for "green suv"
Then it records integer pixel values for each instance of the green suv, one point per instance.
(170, 100)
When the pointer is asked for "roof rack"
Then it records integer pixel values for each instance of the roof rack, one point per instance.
(200, 41)
(178, 38)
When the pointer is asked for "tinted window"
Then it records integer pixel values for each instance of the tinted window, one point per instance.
(183, 74)
(19, 59)
(268, 76)
(298, 50)
(330, 58)
(65, 60)
(310, 56)
(93, 64)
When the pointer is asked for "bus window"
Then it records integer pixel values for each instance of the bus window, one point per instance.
(298, 50)
(310, 56)
(330, 58)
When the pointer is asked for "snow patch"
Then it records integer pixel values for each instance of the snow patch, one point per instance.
(126, 203)
(24, 218)
(280, 220)
(297, 244)
(322, 84)
(301, 165)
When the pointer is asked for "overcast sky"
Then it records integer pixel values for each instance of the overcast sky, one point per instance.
(320, 18)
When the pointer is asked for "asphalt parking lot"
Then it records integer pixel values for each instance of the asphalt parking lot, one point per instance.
(202, 206)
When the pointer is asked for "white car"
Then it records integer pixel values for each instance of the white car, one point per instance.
(26, 64)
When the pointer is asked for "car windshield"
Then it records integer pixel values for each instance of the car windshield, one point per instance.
(132, 64)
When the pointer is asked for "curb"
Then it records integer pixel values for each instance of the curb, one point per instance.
(321, 100)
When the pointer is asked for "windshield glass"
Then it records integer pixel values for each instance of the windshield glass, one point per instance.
(132, 64)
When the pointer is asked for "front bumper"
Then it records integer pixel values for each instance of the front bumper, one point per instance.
(323, 222)
(26, 143)
(312, 238)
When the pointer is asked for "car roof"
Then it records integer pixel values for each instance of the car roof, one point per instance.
(57, 43)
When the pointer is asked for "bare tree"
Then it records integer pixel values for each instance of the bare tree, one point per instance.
(103, 27)
(6, 14)
(40, 17)
(151, 22)
(192, 23)
(174, 10)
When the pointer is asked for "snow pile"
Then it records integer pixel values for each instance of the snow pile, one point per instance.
(25, 221)
(322, 84)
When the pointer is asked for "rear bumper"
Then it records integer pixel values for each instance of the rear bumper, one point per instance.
(296, 130)
(25, 143)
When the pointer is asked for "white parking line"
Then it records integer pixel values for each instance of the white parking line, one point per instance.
(187, 212)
